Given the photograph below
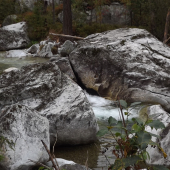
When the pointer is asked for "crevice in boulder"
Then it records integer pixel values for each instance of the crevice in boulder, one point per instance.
(80, 83)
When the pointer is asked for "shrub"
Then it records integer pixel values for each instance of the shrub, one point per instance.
(6, 8)
(84, 30)
(130, 144)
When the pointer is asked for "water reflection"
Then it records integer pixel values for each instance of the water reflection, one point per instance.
(18, 62)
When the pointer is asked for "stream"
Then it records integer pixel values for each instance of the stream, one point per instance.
(102, 108)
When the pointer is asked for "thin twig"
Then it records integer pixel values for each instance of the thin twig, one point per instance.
(38, 163)
(51, 157)
(56, 161)
(86, 164)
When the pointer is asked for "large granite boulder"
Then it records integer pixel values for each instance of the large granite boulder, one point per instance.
(13, 36)
(54, 95)
(156, 112)
(127, 63)
(26, 128)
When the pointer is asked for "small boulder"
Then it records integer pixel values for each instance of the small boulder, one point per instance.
(33, 49)
(17, 53)
(10, 69)
(26, 128)
(66, 48)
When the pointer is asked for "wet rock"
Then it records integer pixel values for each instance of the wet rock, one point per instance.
(26, 128)
(126, 63)
(13, 36)
(156, 112)
(54, 95)
(18, 53)
(10, 69)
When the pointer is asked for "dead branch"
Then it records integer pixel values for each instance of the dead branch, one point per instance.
(167, 40)
(38, 163)
(51, 157)
(67, 36)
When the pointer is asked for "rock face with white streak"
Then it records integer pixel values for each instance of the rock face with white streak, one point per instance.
(54, 95)
(13, 36)
(126, 63)
(156, 112)
(26, 128)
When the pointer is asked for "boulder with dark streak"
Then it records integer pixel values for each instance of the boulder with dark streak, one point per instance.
(126, 63)
(54, 95)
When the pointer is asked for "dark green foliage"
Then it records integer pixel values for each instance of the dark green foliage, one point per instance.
(131, 141)
(37, 23)
(6, 8)
(150, 15)
(84, 30)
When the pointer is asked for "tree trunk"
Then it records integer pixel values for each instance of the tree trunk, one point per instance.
(67, 17)
(166, 26)
(53, 12)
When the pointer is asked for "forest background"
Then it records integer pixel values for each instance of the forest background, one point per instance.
(147, 14)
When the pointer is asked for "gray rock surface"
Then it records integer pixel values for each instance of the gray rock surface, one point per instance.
(13, 36)
(33, 49)
(64, 65)
(26, 128)
(126, 63)
(156, 112)
(10, 19)
(54, 95)
(66, 48)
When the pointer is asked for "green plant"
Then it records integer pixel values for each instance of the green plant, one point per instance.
(132, 140)
(42, 168)
(3, 142)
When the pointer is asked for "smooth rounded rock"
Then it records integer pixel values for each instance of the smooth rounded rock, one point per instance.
(127, 63)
